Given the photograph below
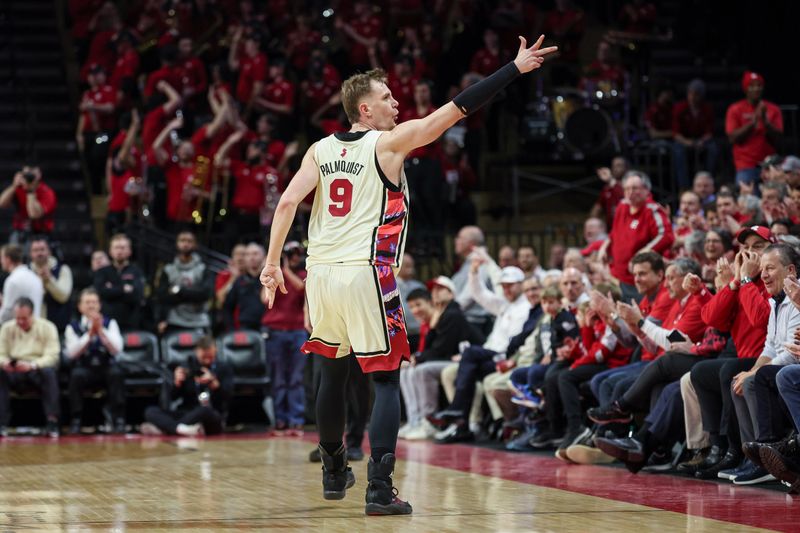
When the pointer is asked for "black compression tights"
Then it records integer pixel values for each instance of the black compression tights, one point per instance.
(332, 407)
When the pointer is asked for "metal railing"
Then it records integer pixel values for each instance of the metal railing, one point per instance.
(154, 247)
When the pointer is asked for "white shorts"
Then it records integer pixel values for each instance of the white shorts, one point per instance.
(356, 309)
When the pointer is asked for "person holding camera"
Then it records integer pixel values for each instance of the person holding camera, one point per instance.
(91, 344)
(35, 203)
(202, 387)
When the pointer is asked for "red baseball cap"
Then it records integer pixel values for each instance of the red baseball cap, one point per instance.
(750, 77)
(762, 231)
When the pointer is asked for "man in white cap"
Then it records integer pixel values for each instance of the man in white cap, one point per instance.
(419, 381)
(511, 311)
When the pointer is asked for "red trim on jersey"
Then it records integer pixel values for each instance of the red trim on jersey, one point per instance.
(319, 347)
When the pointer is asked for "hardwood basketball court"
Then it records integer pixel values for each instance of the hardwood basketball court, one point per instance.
(256, 482)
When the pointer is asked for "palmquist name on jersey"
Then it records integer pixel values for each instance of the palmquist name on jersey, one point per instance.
(347, 167)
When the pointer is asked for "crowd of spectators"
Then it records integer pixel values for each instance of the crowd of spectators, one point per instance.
(682, 319)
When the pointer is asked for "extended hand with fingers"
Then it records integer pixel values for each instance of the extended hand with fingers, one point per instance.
(531, 58)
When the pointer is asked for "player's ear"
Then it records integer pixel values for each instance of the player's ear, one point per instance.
(363, 107)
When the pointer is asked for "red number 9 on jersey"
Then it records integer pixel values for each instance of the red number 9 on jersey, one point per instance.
(341, 193)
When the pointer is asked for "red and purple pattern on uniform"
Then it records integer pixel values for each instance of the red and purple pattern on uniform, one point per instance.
(395, 325)
(390, 235)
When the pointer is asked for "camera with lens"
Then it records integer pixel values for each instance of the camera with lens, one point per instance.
(29, 177)
(195, 370)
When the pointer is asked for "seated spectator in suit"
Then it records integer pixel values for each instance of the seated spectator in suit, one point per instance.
(91, 343)
(20, 283)
(203, 388)
(56, 278)
(243, 308)
(121, 285)
(184, 289)
(29, 351)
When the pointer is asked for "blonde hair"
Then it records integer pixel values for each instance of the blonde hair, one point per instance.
(357, 87)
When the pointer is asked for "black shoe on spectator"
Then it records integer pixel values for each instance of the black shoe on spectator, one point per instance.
(574, 436)
(628, 450)
(454, 433)
(337, 476)
(355, 454)
(714, 456)
(730, 460)
(659, 461)
(784, 462)
(52, 430)
(753, 475)
(546, 439)
(752, 450)
(314, 456)
(607, 415)
(381, 494)
(690, 466)
(75, 426)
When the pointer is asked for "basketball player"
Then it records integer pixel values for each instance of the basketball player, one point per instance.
(356, 238)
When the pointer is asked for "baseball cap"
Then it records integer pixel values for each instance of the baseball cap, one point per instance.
(512, 274)
(749, 77)
(292, 246)
(791, 164)
(762, 231)
(444, 281)
(771, 161)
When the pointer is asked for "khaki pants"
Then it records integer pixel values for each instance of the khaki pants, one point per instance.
(696, 436)
(492, 382)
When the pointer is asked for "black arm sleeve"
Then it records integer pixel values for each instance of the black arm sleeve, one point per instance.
(476, 96)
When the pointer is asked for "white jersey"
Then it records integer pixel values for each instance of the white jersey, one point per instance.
(359, 217)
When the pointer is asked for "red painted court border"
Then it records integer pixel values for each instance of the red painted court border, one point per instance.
(726, 502)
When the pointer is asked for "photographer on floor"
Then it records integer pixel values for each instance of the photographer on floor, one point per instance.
(201, 391)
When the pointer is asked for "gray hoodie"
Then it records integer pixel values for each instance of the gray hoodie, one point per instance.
(185, 290)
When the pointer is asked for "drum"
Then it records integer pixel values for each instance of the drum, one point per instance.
(589, 131)
(564, 103)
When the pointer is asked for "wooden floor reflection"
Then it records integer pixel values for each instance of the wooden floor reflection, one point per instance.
(138, 484)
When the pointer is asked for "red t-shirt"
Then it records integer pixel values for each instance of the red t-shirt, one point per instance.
(287, 312)
(192, 74)
(154, 121)
(251, 70)
(570, 23)
(100, 52)
(275, 148)
(659, 117)
(177, 178)
(485, 62)
(690, 125)
(251, 183)
(610, 197)
(368, 28)
(170, 75)
(660, 305)
(649, 226)
(318, 93)
(126, 67)
(755, 147)
(402, 91)
(302, 43)
(47, 199)
(279, 92)
(208, 147)
(102, 121)
(610, 72)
